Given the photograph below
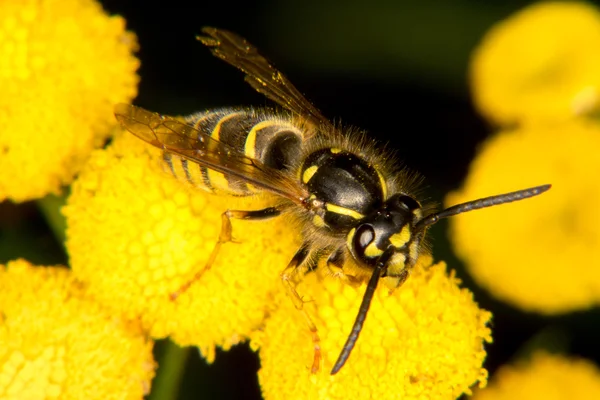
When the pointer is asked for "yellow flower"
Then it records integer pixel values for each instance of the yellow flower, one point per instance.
(63, 65)
(538, 254)
(137, 235)
(547, 377)
(541, 63)
(423, 341)
(57, 344)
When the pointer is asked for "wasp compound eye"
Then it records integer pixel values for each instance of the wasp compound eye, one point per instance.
(407, 203)
(364, 237)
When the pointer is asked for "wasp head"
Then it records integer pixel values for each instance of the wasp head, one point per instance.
(392, 226)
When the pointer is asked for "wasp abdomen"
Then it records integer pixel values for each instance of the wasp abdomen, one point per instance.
(258, 135)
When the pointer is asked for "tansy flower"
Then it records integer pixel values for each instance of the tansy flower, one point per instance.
(425, 340)
(541, 63)
(545, 376)
(538, 254)
(63, 65)
(137, 235)
(58, 344)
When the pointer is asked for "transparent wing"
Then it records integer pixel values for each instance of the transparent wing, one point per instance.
(181, 139)
(261, 75)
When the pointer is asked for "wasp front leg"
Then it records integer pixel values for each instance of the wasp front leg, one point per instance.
(335, 265)
(287, 276)
(224, 237)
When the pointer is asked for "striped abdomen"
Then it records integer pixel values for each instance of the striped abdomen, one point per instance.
(258, 135)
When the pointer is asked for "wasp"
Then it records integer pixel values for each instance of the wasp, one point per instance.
(352, 200)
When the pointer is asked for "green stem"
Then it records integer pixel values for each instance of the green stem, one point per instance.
(170, 372)
(50, 207)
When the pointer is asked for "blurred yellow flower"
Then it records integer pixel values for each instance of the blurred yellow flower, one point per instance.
(537, 254)
(545, 376)
(426, 340)
(541, 63)
(137, 235)
(58, 344)
(63, 65)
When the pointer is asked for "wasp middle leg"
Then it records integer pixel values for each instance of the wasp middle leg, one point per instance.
(287, 277)
(225, 236)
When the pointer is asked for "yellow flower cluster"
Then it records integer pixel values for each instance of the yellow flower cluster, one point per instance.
(58, 344)
(63, 65)
(137, 235)
(545, 376)
(538, 254)
(541, 63)
(425, 340)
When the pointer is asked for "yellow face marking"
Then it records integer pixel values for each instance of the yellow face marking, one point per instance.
(373, 251)
(318, 221)
(350, 237)
(400, 239)
(383, 184)
(344, 211)
(396, 264)
(308, 173)
(250, 146)
(216, 132)
(335, 150)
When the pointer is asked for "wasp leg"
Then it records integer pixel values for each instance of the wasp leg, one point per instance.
(335, 265)
(224, 237)
(287, 276)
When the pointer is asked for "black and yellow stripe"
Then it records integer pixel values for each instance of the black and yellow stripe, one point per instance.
(264, 137)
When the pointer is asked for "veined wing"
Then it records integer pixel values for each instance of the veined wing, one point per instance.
(261, 75)
(177, 137)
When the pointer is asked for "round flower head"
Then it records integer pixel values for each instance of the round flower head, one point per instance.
(58, 344)
(425, 340)
(545, 376)
(541, 63)
(137, 236)
(537, 254)
(62, 67)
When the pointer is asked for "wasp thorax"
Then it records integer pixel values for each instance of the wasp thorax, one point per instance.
(391, 225)
(348, 185)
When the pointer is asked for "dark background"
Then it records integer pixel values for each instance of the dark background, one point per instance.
(395, 68)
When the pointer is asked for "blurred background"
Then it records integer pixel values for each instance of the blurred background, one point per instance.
(397, 69)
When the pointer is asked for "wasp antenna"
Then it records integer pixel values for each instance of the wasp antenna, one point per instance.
(481, 203)
(363, 310)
